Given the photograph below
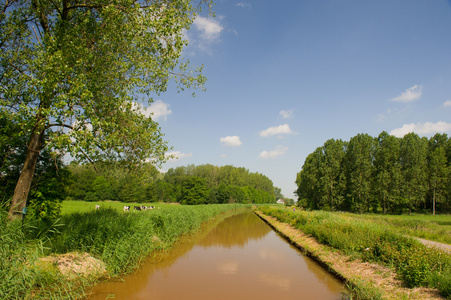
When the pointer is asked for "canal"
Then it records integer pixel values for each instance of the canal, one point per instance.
(240, 258)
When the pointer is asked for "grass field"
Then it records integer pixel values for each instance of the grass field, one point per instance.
(83, 206)
(435, 228)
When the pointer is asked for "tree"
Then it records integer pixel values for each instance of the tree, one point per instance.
(73, 75)
(161, 191)
(278, 193)
(194, 191)
(50, 180)
(307, 181)
(413, 167)
(387, 171)
(332, 181)
(437, 168)
(359, 165)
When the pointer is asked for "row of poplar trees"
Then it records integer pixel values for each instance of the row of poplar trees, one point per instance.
(385, 174)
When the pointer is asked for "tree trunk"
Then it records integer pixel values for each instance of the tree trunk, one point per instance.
(23, 185)
(433, 203)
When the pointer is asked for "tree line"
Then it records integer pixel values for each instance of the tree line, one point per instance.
(118, 181)
(384, 174)
(203, 184)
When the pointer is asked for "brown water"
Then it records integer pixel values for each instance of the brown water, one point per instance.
(241, 258)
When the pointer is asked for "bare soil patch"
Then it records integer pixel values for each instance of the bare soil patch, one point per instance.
(76, 264)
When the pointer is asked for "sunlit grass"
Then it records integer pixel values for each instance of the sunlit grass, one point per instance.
(121, 240)
(435, 228)
(72, 206)
(367, 238)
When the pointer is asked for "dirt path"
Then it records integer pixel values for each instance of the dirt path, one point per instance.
(432, 244)
(376, 279)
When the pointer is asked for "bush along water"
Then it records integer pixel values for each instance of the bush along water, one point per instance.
(416, 264)
(120, 240)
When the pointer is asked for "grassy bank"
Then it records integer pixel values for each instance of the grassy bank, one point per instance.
(369, 241)
(118, 241)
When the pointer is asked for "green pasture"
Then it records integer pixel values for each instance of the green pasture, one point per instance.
(72, 206)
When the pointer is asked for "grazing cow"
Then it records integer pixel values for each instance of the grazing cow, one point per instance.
(126, 208)
(136, 207)
(97, 206)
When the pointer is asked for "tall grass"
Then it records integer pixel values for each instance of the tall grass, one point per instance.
(415, 264)
(22, 275)
(15, 258)
(121, 240)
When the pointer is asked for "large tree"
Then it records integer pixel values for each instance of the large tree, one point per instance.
(358, 167)
(413, 151)
(437, 168)
(387, 172)
(74, 74)
(308, 180)
(332, 181)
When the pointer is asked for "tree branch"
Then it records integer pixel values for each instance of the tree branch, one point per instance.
(90, 160)
(56, 7)
(59, 125)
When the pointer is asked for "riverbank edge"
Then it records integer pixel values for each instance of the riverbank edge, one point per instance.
(367, 280)
(86, 276)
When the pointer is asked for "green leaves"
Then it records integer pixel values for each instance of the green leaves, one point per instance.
(81, 67)
(387, 174)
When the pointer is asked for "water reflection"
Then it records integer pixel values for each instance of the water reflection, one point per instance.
(245, 227)
(241, 258)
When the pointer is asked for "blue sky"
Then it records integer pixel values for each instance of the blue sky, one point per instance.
(285, 76)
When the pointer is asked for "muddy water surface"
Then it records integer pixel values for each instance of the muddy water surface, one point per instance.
(241, 258)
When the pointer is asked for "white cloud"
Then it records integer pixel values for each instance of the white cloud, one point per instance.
(281, 129)
(280, 150)
(243, 4)
(426, 128)
(286, 114)
(156, 110)
(410, 94)
(210, 28)
(159, 109)
(233, 141)
(447, 103)
(173, 155)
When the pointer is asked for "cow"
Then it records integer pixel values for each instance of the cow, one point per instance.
(136, 208)
(97, 206)
(126, 208)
